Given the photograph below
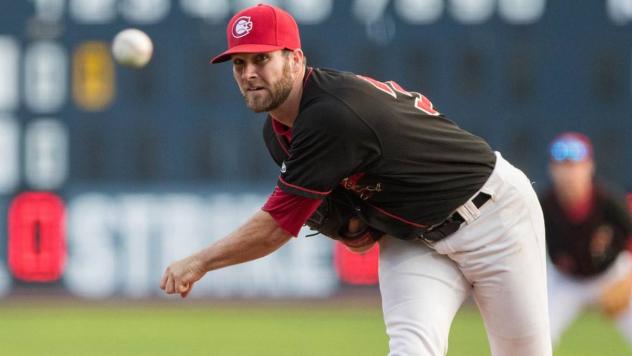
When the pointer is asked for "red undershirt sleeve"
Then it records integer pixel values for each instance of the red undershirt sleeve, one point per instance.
(290, 211)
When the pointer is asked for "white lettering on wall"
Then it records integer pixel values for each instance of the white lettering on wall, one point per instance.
(5, 279)
(9, 151)
(521, 12)
(310, 12)
(49, 10)
(368, 11)
(419, 12)
(45, 77)
(620, 11)
(46, 153)
(120, 245)
(92, 11)
(214, 11)
(144, 11)
(92, 270)
(471, 12)
(9, 62)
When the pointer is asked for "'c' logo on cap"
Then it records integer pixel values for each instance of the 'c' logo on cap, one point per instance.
(242, 26)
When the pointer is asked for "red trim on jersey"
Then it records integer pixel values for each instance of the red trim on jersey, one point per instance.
(397, 217)
(281, 130)
(303, 189)
(290, 211)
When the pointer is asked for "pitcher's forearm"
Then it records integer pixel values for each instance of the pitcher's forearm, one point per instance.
(258, 237)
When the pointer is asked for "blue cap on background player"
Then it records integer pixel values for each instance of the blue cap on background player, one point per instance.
(571, 146)
(261, 28)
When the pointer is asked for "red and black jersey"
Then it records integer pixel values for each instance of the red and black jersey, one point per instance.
(586, 246)
(394, 150)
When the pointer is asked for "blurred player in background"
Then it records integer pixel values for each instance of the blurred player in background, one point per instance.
(588, 231)
(452, 217)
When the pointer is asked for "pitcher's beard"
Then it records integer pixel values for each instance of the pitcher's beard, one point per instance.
(277, 94)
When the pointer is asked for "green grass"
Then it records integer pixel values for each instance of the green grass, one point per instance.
(195, 329)
(593, 334)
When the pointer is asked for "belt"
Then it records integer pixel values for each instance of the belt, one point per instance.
(450, 225)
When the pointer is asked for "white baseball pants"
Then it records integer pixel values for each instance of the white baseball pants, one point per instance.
(497, 256)
(569, 296)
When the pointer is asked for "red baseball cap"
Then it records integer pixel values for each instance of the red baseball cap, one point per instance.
(260, 28)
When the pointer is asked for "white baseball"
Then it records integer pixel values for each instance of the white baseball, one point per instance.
(132, 47)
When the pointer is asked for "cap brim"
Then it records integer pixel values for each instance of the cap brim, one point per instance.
(246, 48)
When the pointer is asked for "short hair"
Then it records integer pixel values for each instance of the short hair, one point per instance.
(286, 52)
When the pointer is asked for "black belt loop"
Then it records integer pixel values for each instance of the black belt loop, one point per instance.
(450, 225)
(480, 199)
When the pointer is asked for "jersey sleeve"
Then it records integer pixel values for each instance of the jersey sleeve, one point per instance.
(290, 211)
(329, 143)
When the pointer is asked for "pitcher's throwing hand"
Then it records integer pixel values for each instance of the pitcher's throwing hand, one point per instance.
(180, 276)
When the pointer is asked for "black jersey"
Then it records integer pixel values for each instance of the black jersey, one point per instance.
(588, 247)
(389, 146)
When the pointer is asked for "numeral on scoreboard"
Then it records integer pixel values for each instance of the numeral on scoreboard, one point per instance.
(37, 249)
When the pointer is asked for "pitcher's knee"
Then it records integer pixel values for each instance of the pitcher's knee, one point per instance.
(536, 344)
(413, 339)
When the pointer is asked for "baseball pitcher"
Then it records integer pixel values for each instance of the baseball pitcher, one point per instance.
(367, 161)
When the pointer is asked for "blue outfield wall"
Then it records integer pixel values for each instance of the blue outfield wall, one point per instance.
(128, 149)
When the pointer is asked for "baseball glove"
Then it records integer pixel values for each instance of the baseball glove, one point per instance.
(338, 217)
(615, 298)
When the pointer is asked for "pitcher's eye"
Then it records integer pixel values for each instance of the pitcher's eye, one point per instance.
(259, 58)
